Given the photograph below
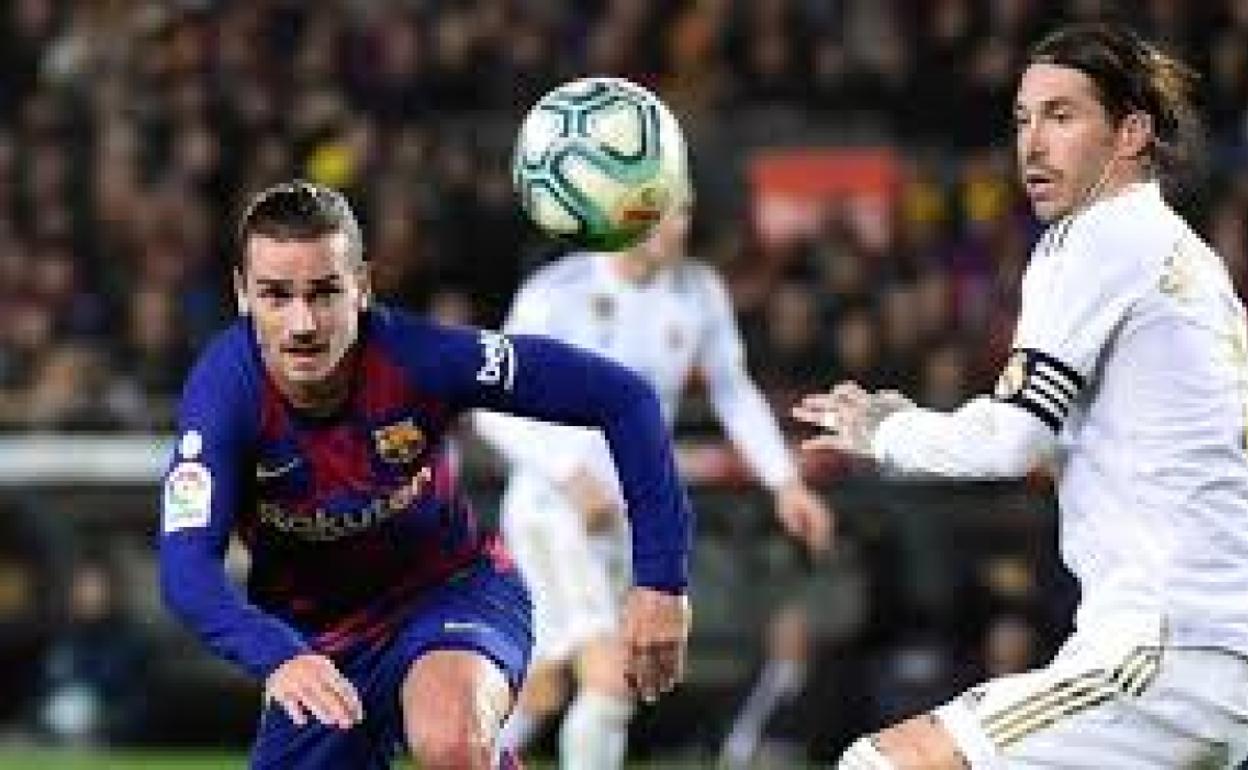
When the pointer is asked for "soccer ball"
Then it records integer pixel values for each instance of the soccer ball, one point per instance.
(598, 162)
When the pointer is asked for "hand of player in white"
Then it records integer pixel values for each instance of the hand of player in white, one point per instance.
(804, 516)
(655, 635)
(312, 684)
(850, 415)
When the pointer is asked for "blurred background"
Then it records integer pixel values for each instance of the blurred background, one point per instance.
(855, 185)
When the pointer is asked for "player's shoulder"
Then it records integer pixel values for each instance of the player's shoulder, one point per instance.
(1136, 226)
(398, 330)
(415, 341)
(1120, 241)
(226, 380)
(230, 356)
(697, 278)
(563, 274)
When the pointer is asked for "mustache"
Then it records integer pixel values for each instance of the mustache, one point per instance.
(1039, 170)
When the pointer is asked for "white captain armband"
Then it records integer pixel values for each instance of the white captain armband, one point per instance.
(1039, 383)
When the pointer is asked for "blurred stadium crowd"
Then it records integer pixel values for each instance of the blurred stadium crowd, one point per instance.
(131, 131)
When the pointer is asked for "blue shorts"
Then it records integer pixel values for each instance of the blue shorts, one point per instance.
(483, 608)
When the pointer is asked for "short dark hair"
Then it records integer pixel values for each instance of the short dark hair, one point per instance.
(298, 211)
(1132, 75)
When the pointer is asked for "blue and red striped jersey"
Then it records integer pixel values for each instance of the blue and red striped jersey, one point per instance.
(350, 517)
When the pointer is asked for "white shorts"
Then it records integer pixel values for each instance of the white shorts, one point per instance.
(576, 580)
(1114, 697)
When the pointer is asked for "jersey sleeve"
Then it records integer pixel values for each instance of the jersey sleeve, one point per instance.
(984, 439)
(738, 403)
(1074, 298)
(541, 378)
(1073, 301)
(200, 493)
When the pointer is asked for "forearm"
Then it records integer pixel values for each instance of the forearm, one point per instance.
(659, 513)
(197, 591)
(983, 439)
(749, 422)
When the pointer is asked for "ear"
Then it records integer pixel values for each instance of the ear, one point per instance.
(1135, 135)
(240, 293)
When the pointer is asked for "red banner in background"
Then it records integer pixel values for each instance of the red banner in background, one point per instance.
(793, 190)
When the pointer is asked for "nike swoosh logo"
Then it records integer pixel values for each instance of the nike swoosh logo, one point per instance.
(263, 473)
(458, 625)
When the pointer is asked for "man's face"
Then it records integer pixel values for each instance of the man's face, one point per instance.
(305, 298)
(1064, 139)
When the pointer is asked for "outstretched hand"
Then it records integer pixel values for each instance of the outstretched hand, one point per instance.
(849, 415)
(656, 635)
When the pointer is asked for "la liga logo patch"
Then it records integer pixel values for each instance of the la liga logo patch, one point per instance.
(187, 499)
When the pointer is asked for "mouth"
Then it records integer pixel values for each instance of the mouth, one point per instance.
(303, 355)
(1040, 184)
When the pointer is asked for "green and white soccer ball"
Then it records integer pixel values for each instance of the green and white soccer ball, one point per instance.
(598, 161)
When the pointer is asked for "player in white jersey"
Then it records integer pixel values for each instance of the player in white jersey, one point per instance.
(1130, 372)
(562, 513)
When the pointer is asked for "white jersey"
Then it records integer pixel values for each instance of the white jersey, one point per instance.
(1131, 366)
(663, 329)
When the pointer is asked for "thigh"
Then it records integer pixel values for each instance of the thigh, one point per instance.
(282, 745)
(571, 589)
(486, 610)
(1154, 708)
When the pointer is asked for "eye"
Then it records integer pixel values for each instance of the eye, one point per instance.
(273, 295)
(323, 294)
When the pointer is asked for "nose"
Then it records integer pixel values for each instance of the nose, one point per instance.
(1030, 146)
(302, 320)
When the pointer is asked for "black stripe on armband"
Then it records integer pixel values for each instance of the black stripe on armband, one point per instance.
(1039, 383)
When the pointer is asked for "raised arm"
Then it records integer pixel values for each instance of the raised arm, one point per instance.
(541, 378)
(750, 423)
(1074, 300)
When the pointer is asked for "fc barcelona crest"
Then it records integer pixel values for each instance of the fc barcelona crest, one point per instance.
(401, 442)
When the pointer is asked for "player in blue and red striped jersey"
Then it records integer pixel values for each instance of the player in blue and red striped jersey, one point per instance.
(377, 610)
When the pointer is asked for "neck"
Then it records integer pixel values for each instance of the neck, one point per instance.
(633, 268)
(1115, 177)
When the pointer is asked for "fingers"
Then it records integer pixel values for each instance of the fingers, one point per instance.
(311, 684)
(292, 708)
(848, 392)
(655, 630)
(824, 443)
(836, 411)
(653, 670)
(820, 415)
(347, 700)
(325, 705)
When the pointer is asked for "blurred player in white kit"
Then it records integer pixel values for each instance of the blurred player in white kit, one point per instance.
(562, 512)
